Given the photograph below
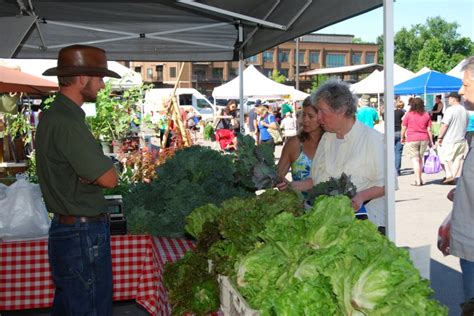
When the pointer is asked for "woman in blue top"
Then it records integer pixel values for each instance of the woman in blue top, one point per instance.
(266, 120)
(299, 150)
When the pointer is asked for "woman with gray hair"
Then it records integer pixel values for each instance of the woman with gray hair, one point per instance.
(351, 147)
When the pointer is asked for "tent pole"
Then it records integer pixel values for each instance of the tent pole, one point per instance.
(389, 120)
(297, 59)
(241, 90)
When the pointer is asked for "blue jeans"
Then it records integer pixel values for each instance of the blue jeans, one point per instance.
(81, 266)
(398, 152)
(467, 268)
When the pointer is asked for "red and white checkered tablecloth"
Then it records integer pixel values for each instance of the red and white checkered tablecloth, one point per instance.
(137, 264)
(169, 250)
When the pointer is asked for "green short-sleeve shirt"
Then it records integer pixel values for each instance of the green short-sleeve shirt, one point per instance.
(65, 152)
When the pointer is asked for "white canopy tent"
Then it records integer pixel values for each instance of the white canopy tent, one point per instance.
(374, 83)
(422, 71)
(456, 71)
(256, 85)
(36, 67)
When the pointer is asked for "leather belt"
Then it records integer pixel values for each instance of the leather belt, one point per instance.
(71, 219)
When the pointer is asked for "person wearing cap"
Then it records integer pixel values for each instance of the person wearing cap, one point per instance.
(461, 242)
(72, 171)
(365, 113)
(452, 145)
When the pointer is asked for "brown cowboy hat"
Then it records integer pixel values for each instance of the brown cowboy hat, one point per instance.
(81, 60)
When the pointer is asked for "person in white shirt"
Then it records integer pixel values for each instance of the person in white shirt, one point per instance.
(351, 147)
(288, 125)
(452, 145)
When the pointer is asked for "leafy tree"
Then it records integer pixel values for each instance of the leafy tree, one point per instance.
(435, 44)
(317, 81)
(277, 76)
(379, 42)
(358, 40)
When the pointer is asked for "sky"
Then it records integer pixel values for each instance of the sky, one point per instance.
(407, 13)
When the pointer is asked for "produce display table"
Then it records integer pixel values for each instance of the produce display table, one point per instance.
(137, 265)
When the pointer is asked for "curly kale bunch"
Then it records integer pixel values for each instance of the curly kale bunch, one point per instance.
(193, 177)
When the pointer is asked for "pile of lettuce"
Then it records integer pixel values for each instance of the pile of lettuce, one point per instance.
(225, 234)
(323, 262)
(327, 263)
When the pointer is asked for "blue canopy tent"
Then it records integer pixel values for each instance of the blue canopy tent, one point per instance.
(429, 82)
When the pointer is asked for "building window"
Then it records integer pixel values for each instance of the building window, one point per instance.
(138, 69)
(252, 59)
(234, 72)
(173, 72)
(370, 58)
(283, 56)
(335, 60)
(314, 57)
(149, 73)
(268, 56)
(217, 73)
(199, 74)
(301, 58)
(268, 72)
(159, 73)
(284, 72)
(356, 58)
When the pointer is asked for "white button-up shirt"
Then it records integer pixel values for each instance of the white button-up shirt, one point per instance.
(361, 156)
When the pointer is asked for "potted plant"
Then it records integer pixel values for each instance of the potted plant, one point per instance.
(116, 113)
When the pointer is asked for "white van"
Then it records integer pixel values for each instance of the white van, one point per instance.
(155, 100)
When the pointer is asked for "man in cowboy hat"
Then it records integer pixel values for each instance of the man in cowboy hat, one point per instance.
(72, 170)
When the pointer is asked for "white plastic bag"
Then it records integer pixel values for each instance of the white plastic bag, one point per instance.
(23, 214)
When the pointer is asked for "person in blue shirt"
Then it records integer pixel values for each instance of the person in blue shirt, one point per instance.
(365, 113)
(266, 120)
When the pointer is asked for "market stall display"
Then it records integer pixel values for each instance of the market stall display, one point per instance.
(193, 177)
(275, 255)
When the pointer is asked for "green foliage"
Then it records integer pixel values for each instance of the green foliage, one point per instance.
(18, 126)
(435, 44)
(317, 81)
(114, 114)
(193, 177)
(333, 263)
(277, 76)
(47, 102)
(380, 45)
(340, 186)
(191, 288)
(255, 165)
(195, 221)
(241, 220)
(208, 131)
(31, 168)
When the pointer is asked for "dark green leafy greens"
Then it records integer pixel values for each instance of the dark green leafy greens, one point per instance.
(333, 187)
(191, 288)
(255, 165)
(194, 177)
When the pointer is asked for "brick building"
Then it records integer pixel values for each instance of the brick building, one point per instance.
(315, 51)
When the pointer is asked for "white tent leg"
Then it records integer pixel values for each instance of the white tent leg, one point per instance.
(241, 90)
(389, 120)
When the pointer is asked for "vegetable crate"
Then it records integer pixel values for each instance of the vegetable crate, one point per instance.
(232, 303)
